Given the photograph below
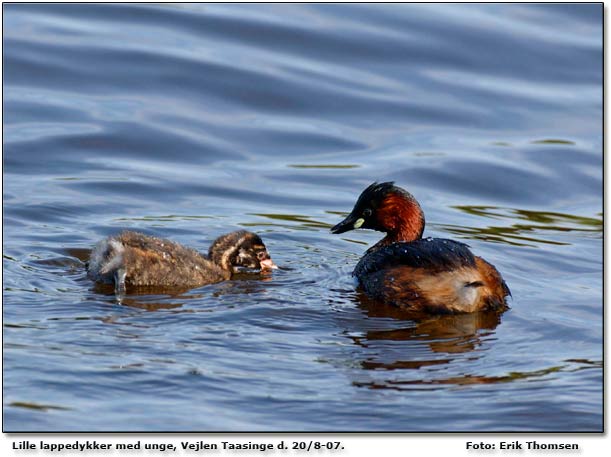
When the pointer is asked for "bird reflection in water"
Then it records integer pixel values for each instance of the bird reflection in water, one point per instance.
(442, 334)
(154, 298)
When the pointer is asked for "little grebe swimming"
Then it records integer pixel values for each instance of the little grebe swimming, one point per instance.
(427, 275)
(135, 259)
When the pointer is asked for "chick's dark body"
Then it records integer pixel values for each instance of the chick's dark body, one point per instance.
(133, 259)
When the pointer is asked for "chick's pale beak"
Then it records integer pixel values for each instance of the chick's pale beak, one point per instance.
(268, 264)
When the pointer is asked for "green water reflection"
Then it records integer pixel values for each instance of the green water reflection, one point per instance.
(527, 227)
(553, 141)
(330, 166)
(298, 221)
(163, 218)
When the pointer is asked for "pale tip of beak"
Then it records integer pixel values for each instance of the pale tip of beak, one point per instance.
(268, 264)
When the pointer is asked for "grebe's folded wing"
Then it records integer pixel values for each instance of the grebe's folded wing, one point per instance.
(434, 254)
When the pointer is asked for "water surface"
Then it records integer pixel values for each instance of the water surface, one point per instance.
(189, 121)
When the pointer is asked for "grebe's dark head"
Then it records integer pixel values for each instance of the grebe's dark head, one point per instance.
(386, 208)
(240, 249)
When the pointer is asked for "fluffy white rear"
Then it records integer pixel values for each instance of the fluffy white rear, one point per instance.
(106, 258)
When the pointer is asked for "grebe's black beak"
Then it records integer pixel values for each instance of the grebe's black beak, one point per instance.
(350, 223)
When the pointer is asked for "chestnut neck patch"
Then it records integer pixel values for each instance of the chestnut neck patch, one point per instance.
(401, 217)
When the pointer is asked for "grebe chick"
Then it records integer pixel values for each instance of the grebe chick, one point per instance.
(135, 259)
(425, 275)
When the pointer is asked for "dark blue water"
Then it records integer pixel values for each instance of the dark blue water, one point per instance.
(189, 121)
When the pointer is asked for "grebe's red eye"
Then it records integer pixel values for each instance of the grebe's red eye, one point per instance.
(367, 212)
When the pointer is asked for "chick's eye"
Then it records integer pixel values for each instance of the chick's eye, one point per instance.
(367, 212)
(262, 255)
